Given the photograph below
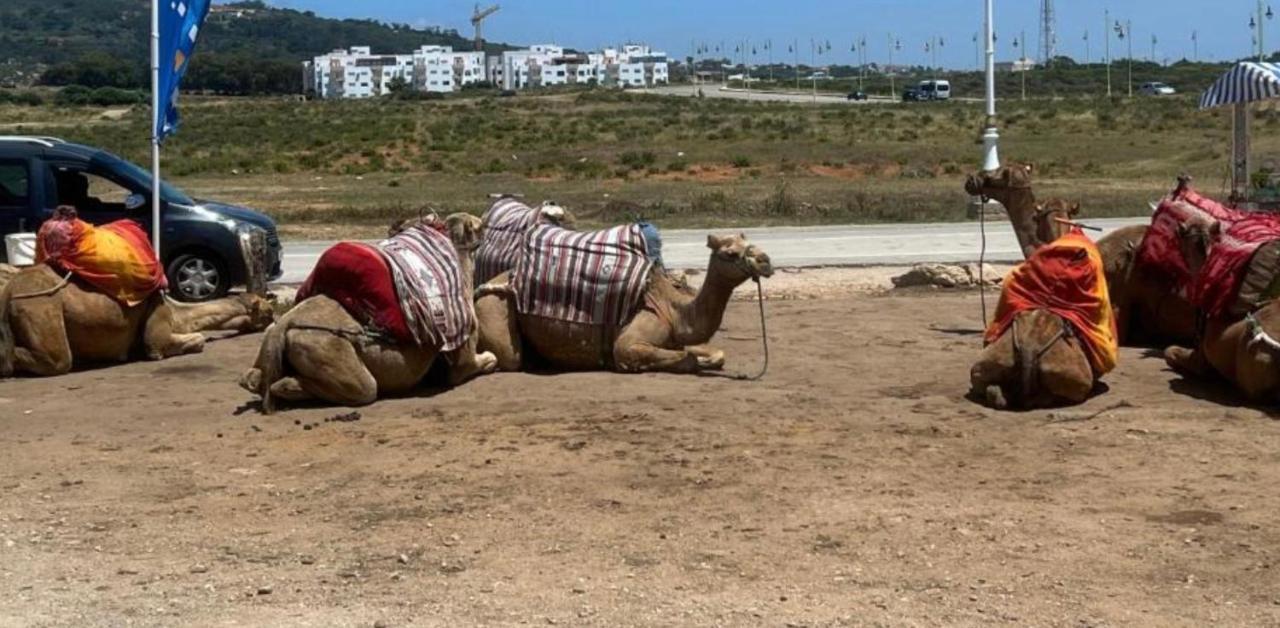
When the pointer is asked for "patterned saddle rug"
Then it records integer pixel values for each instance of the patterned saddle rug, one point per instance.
(409, 286)
(504, 227)
(593, 278)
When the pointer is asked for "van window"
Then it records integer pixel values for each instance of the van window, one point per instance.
(14, 184)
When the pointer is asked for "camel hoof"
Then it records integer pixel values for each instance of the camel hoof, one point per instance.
(252, 381)
(713, 362)
(487, 361)
(995, 398)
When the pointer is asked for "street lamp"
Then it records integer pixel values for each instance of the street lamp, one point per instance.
(1106, 32)
(1258, 25)
(990, 136)
(1195, 46)
(1125, 32)
(1022, 62)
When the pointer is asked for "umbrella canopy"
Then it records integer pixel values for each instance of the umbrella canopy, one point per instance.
(1247, 82)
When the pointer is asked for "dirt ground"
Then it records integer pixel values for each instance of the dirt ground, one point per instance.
(855, 485)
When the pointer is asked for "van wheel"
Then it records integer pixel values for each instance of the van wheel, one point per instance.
(196, 277)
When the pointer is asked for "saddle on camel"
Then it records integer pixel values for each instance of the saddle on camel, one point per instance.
(1053, 336)
(96, 295)
(1234, 278)
(371, 320)
(504, 226)
(600, 300)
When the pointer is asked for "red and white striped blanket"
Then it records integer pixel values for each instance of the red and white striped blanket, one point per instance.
(504, 227)
(593, 278)
(428, 278)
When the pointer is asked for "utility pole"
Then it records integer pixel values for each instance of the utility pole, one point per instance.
(1195, 46)
(1086, 48)
(795, 48)
(1106, 31)
(1048, 32)
(1125, 32)
(1153, 48)
(977, 53)
(1022, 62)
(813, 71)
(893, 45)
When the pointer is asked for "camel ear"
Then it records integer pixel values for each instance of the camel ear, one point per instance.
(1029, 168)
(714, 242)
(1075, 210)
(1215, 229)
(742, 236)
(1040, 209)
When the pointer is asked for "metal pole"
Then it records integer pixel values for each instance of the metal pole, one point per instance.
(1128, 30)
(990, 137)
(1262, 47)
(1025, 67)
(889, 70)
(156, 116)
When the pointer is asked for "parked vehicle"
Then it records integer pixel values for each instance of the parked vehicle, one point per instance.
(935, 90)
(201, 240)
(912, 94)
(1156, 89)
(857, 95)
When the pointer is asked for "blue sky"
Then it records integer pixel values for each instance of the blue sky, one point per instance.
(673, 24)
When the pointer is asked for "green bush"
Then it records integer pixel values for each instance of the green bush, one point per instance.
(741, 161)
(638, 160)
(15, 97)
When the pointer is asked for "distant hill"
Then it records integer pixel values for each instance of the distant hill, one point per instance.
(245, 47)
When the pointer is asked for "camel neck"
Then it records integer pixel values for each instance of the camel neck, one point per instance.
(700, 318)
(191, 318)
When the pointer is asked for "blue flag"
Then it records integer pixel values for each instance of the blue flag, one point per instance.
(180, 22)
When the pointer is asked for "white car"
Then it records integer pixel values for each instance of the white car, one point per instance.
(1156, 89)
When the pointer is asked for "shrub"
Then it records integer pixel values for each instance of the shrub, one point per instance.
(741, 161)
(638, 160)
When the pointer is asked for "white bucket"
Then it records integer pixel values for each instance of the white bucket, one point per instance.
(20, 248)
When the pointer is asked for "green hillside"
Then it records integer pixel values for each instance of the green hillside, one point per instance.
(246, 47)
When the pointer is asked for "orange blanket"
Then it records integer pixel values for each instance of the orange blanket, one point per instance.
(116, 258)
(1066, 278)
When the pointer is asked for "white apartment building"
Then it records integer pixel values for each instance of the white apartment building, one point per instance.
(358, 73)
(548, 64)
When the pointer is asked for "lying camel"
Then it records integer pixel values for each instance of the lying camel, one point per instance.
(1246, 352)
(49, 324)
(319, 351)
(1037, 363)
(666, 334)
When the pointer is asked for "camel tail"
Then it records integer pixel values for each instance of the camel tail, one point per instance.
(7, 342)
(271, 361)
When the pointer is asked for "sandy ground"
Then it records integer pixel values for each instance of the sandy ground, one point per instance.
(855, 485)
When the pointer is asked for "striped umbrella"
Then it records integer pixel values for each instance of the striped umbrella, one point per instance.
(1247, 82)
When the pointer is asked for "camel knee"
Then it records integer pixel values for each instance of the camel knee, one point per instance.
(252, 380)
(41, 364)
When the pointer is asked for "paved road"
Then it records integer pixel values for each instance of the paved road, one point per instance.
(801, 96)
(858, 245)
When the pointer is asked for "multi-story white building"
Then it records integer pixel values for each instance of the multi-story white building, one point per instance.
(545, 65)
(358, 73)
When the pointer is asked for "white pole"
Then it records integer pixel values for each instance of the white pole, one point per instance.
(991, 138)
(155, 123)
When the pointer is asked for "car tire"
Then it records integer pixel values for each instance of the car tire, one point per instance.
(197, 277)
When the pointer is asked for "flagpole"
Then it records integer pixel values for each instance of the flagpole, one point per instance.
(155, 125)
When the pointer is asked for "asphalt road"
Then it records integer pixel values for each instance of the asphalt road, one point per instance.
(849, 245)
(799, 96)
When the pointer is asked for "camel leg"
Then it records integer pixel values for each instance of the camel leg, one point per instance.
(40, 334)
(640, 357)
(290, 389)
(709, 358)
(468, 364)
(1187, 361)
(994, 367)
(160, 342)
(499, 330)
(327, 367)
(1066, 373)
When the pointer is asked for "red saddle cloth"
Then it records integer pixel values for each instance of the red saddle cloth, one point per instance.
(1161, 252)
(116, 258)
(357, 277)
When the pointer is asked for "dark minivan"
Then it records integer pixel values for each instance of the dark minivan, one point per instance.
(203, 242)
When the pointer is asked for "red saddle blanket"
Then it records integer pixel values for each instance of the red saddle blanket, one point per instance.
(1216, 290)
(1065, 277)
(409, 287)
(594, 278)
(356, 275)
(1160, 252)
(504, 227)
(116, 258)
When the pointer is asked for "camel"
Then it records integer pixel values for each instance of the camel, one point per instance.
(667, 334)
(1037, 363)
(48, 324)
(320, 352)
(1011, 186)
(1245, 352)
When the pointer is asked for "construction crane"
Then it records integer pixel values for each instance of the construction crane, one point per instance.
(478, 18)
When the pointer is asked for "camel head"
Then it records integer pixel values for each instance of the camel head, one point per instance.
(553, 213)
(260, 311)
(735, 258)
(464, 230)
(1052, 218)
(999, 183)
(1196, 235)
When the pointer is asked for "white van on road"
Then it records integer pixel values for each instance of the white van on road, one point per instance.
(935, 90)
